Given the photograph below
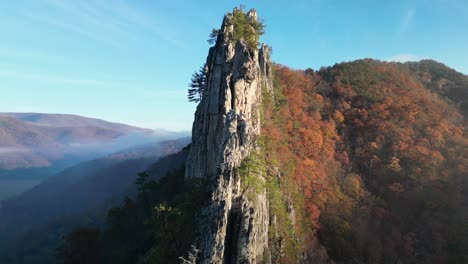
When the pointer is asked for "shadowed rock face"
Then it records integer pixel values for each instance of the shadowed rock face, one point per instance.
(234, 228)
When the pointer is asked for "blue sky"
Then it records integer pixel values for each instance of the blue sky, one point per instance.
(130, 61)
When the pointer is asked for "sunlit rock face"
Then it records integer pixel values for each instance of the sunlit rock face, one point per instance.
(234, 229)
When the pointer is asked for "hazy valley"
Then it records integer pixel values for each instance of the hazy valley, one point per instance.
(35, 146)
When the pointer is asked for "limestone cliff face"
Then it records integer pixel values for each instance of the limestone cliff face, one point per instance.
(234, 229)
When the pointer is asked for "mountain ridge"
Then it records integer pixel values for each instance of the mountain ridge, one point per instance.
(35, 140)
(33, 224)
(46, 201)
(69, 120)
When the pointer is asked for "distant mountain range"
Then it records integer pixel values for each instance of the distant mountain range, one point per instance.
(36, 140)
(72, 121)
(80, 195)
(67, 170)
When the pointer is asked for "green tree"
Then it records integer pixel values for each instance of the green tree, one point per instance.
(197, 85)
(80, 246)
(246, 29)
(213, 36)
(141, 180)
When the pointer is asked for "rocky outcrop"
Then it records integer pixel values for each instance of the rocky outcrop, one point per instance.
(234, 228)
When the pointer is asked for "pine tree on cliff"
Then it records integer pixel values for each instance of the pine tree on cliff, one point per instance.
(197, 85)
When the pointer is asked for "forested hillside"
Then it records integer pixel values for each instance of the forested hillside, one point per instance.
(32, 225)
(378, 157)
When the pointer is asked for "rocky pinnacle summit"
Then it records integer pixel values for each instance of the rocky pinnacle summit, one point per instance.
(234, 228)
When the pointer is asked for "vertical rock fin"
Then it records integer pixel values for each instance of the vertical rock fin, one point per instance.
(234, 229)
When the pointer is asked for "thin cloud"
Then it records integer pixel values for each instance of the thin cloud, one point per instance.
(27, 54)
(160, 28)
(104, 21)
(70, 27)
(404, 58)
(11, 150)
(31, 76)
(90, 14)
(407, 19)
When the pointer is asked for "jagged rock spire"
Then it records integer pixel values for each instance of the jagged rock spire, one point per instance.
(233, 229)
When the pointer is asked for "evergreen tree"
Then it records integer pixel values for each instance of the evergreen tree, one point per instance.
(80, 246)
(213, 36)
(197, 85)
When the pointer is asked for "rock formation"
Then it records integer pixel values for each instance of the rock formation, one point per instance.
(234, 228)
